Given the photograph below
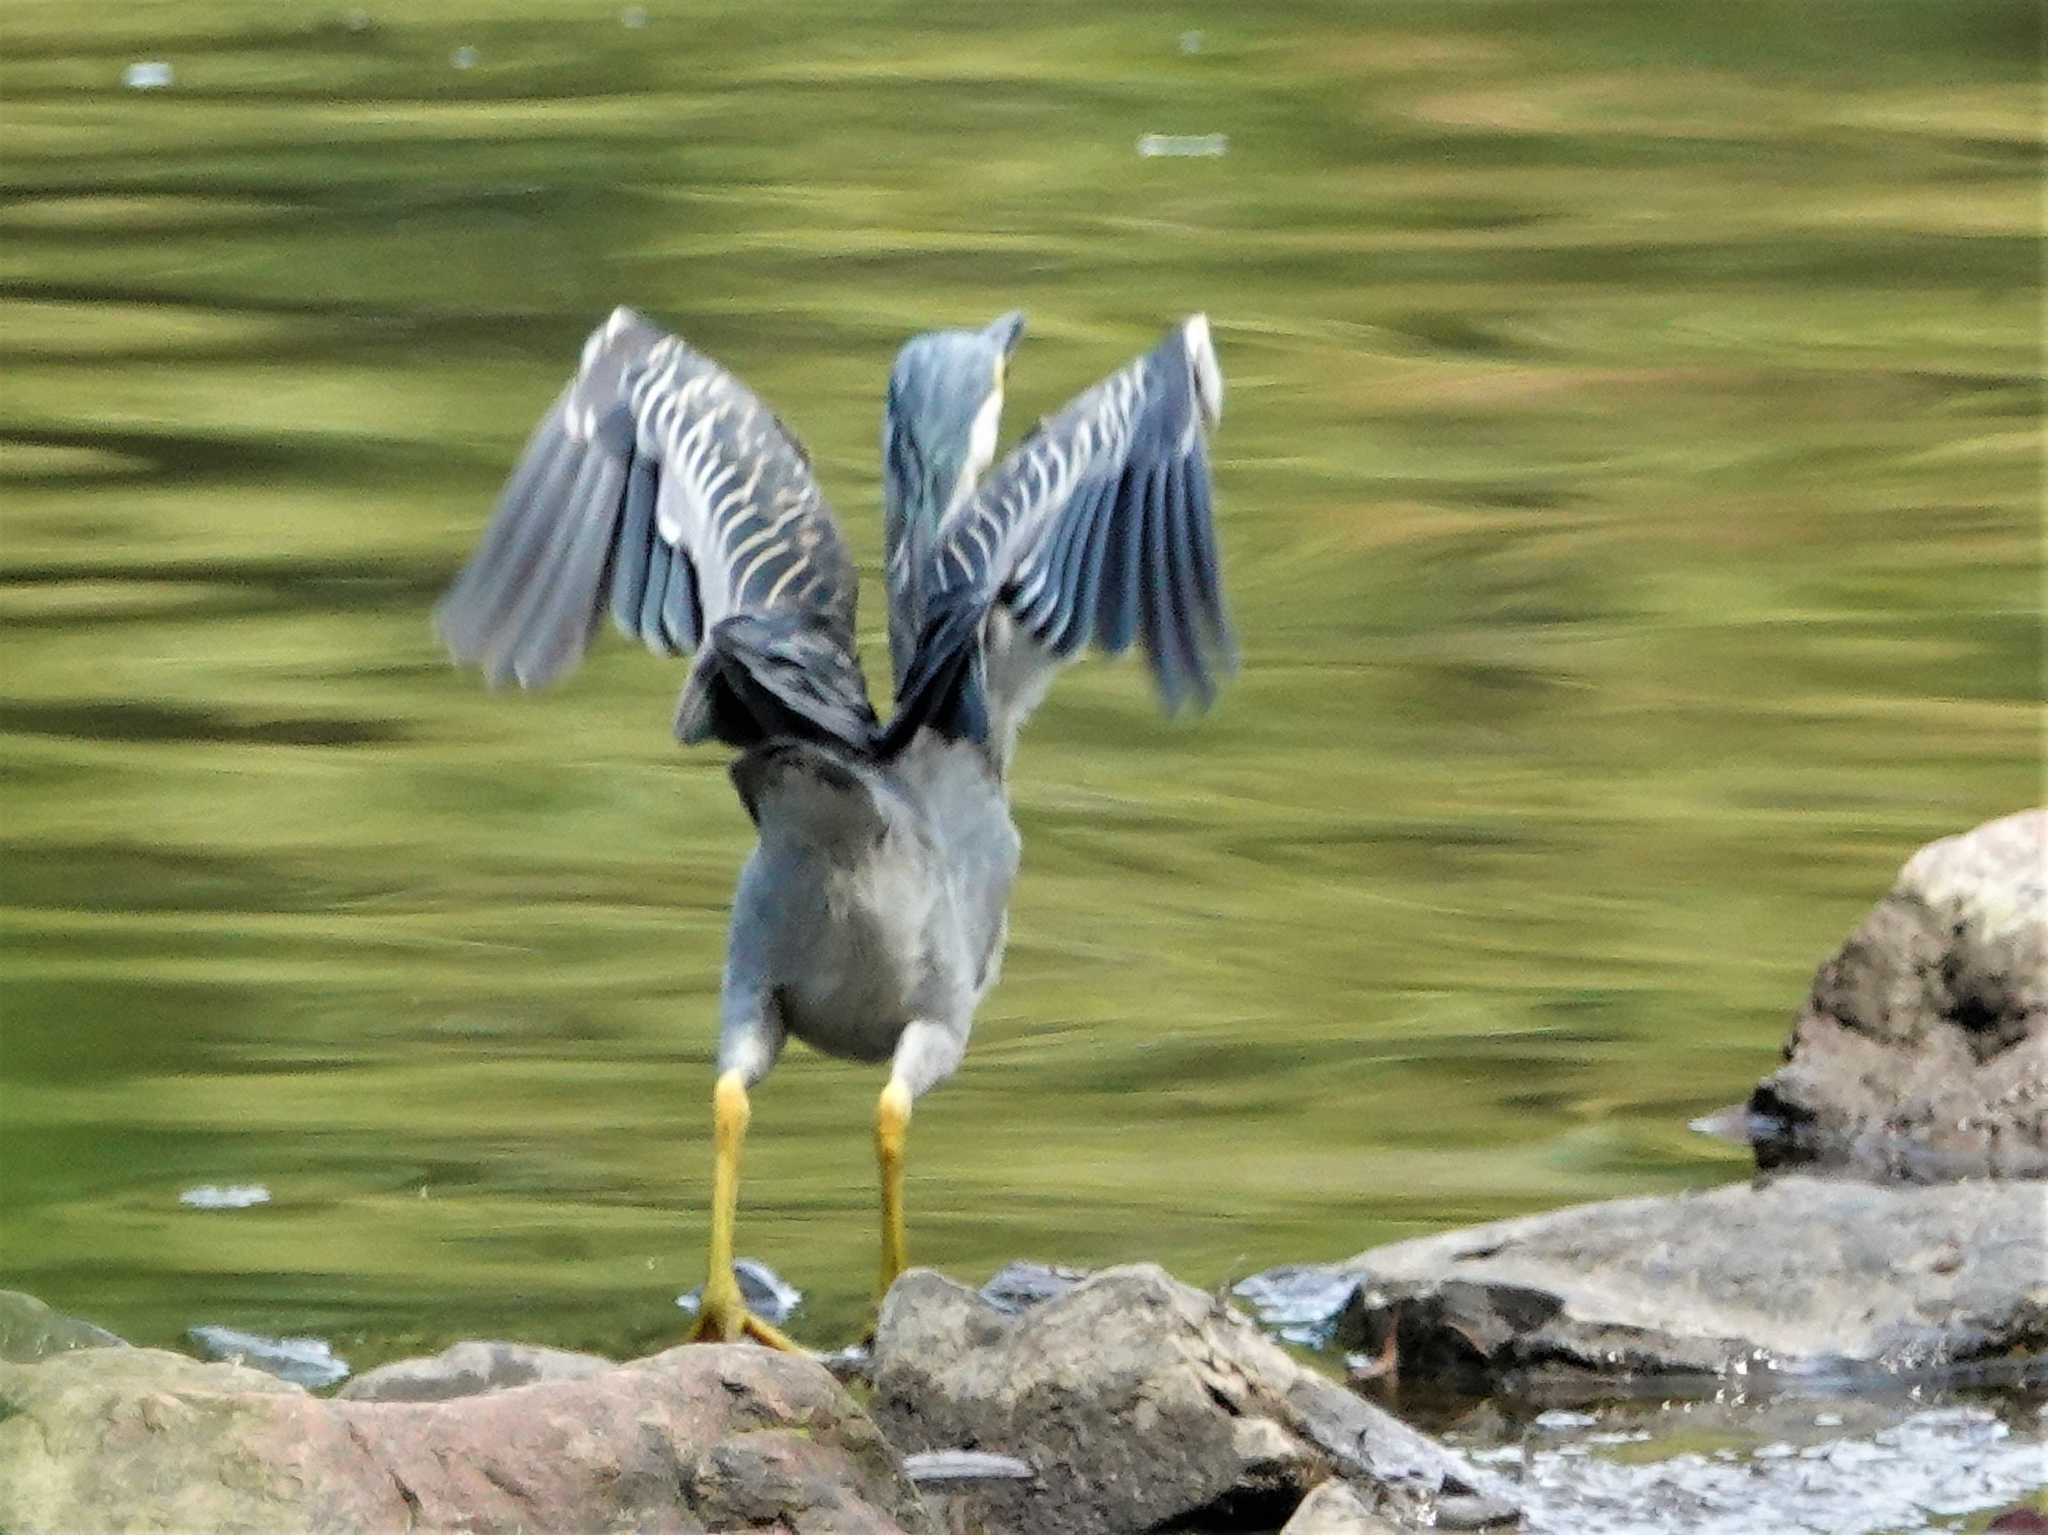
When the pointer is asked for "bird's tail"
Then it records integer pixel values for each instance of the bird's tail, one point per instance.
(820, 794)
(776, 676)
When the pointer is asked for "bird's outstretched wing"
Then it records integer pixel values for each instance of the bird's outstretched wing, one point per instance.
(658, 487)
(1097, 528)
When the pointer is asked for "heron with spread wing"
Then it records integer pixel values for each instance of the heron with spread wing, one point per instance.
(870, 916)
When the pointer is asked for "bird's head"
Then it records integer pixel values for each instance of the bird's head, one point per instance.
(939, 427)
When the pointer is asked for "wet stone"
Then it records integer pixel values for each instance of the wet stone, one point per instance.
(1017, 1286)
(766, 1293)
(1301, 1303)
(308, 1362)
(1802, 1281)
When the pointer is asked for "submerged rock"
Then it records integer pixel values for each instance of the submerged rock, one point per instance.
(1803, 1278)
(1922, 1051)
(470, 1369)
(693, 1440)
(302, 1361)
(1300, 1302)
(768, 1295)
(30, 1330)
(1141, 1404)
(1019, 1285)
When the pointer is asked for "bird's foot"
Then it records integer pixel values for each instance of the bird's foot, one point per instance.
(724, 1318)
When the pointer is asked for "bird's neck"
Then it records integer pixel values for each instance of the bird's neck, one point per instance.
(910, 539)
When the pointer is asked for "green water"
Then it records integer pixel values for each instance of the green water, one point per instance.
(1629, 491)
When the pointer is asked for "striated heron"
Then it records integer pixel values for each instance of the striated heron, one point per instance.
(870, 917)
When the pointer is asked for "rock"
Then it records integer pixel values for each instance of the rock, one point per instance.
(469, 1369)
(1472, 1511)
(302, 1361)
(30, 1330)
(767, 1294)
(941, 1466)
(693, 1440)
(1300, 1302)
(1141, 1404)
(1334, 1508)
(1922, 1052)
(1806, 1276)
(1022, 1284)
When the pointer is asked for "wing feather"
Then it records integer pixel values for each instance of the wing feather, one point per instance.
(680, 617)
(635, 547)
(1098, 527)
(1086, 593)
(658, 488)
(1180, 559)
(648, 624)
(558, 624)
(1118, 616)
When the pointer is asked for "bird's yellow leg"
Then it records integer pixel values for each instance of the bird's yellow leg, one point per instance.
(892, 1127)
(723, 1317)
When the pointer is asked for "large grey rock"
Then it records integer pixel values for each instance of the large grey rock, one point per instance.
(694, 1440)
(1922, 1052)
(30, 1330)
(469, 1369)
(1803, 1275)
(1141, 1404)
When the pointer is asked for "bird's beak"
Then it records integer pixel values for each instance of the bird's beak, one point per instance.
(1004, 331)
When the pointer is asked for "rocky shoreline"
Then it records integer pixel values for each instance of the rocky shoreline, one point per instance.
(1898, 1244)
(1118, 1402)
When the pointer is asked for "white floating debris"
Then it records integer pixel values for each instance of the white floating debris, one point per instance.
(463, 57)
(1558, 1419)
(147, 75)
(237, 1196)
(305, 1362)
(1153, 145)
(357, 21)
(633, 17)
(766, 1293)
(1191, 42)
